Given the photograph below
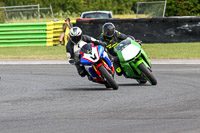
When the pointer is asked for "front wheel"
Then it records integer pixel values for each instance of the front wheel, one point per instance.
(108, 77)
(141, 81)
(148, 74)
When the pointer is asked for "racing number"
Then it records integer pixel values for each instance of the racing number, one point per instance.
(118, 70)
(94, 58)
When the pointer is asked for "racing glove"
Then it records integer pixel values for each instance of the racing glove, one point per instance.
(74, 62)
(139, 41)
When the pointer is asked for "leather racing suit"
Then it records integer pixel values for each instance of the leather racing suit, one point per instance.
(111, 43)
(73, 52)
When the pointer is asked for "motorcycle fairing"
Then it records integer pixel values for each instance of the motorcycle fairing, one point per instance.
(130, 52)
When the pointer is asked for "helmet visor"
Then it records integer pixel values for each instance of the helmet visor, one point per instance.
(109, 33)
(76, 39)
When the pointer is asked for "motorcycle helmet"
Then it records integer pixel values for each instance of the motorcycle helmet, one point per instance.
(108, 29)
(75, 34)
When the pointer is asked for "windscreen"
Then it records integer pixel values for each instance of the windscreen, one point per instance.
(123, 44)
(96, 15)
(87, 48)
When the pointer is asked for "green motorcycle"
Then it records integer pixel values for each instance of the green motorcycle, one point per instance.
(134, 62)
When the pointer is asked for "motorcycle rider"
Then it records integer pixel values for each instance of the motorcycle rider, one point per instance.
(75, 43)
(112, 38)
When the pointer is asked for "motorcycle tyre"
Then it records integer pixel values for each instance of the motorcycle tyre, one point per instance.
(108, 77)
(148, 74)
(142, 81)
(107, 85)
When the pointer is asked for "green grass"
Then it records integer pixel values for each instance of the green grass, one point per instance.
(154, 51)
(173, 51)
(33, 52)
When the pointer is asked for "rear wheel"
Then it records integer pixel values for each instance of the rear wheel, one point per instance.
(148, 74)
(107, 85)
(108, 78)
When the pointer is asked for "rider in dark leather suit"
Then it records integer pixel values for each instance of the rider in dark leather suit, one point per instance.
(112, 38)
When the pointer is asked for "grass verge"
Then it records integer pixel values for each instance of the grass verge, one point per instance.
(173, 51)
(33, 52)
(154, 51)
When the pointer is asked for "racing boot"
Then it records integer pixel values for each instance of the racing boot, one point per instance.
(81, 70)
(117, 66)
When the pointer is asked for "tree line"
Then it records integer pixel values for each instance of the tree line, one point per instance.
(174, 7)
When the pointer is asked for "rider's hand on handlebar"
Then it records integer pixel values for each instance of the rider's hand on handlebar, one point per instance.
(72, 61)
(104, 44)
(139, 41)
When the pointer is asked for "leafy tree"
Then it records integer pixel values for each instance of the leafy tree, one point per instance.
(174, 7)
(183, 8)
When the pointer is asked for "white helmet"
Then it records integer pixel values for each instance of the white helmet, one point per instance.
(75, 34)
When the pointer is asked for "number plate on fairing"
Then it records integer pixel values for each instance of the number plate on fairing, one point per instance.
(92, 56)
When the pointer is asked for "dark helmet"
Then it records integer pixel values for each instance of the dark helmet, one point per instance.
(108, 29)
(75, 34)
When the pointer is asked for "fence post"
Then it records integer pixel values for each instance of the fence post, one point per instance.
(52, 12)
(6, 15)
(38, 12)
(165, 8)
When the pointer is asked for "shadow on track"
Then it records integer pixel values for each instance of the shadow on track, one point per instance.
(99, 88)
(136, 84)
(86, 89)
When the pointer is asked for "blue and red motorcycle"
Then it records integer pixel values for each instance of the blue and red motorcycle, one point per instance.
(98, 65)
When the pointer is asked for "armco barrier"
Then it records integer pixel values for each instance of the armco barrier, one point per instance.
(149, 30)
(30, 34)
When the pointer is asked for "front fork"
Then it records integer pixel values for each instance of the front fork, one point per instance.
(95, 67)
(135, 65)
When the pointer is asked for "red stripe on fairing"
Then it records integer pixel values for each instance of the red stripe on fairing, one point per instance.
(112, 68)
(98, 79)
(87, 60)
(106, 66)
(97, 51)
(98, 73)
(99, 65)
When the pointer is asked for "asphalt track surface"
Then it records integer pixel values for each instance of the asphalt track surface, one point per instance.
(49, 98)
